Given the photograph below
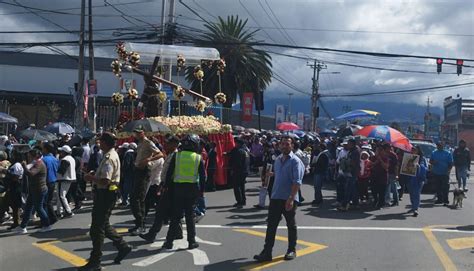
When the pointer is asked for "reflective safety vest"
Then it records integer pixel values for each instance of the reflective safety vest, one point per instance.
(187, 167)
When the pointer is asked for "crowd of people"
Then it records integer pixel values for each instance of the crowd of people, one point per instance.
(172, 176)
(362, 171)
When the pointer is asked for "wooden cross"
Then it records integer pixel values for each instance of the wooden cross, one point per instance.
(150, 97)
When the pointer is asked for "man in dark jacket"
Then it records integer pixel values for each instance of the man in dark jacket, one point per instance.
(462, 163)
(319, 165)
(238, 162)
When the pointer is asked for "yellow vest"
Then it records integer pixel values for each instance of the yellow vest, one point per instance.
(187, 167)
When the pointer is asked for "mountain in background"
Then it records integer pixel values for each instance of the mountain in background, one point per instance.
(390, 111)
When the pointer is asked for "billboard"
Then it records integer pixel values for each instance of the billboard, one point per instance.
(279, 114)
(452, 110)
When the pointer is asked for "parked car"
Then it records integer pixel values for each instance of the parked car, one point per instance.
(427, 147)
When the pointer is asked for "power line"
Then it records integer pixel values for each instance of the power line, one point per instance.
(124, 15)
(417, 90)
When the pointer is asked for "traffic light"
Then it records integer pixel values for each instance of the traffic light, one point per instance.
(459, 64)
(439, 62)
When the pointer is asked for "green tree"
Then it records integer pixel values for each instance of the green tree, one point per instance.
(247, 69)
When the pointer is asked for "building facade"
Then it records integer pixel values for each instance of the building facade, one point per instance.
(458, 121)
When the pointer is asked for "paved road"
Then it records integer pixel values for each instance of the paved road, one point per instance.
(441, 238)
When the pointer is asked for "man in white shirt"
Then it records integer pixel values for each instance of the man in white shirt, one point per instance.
(66, 175)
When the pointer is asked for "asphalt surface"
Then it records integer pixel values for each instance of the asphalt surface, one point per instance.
(441, 238)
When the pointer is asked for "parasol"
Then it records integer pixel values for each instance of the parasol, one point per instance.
(59, 128)
(357, 114)
(148, 125)
(287, 126)
(5, 118)
(388, 134)
(33, 134)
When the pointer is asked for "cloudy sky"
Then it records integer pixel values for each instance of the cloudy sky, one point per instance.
(429, 28)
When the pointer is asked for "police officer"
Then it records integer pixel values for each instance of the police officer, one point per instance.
(186, 174)
(105, 182)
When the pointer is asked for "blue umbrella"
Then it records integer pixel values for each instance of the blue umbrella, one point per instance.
(5, 118)
(357, 114)
(299, 133)
(59, 128)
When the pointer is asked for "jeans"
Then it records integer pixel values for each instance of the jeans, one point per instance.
(35, 200)
(62, 202)
(442, 185)
(391, 188)
(461, 174)
(350, 191)
(275, 210)
(415, 187)
(239, 189)
(48, 204)
(104, 202)
(137, 198)
(318, 185)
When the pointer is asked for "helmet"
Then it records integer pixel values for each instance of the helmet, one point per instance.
(190, 142)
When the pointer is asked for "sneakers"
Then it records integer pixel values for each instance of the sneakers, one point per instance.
(290, 255)
(138, 231)
(90, 266)
(263, 257)
(45, 229)
(415, 213)
(122, 253)
(77, 208)
(258, 206)
(20, 230)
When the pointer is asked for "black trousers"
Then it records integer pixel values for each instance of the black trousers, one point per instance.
(378, 190)
(104, 202)
(210, 185)
(48, 204)
(184, 199)
(275, 211)
(403, 181)
(239, 189)
(137, 198)
(442, 187)
(163, 212)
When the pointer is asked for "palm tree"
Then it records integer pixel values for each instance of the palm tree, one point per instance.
(247, 69)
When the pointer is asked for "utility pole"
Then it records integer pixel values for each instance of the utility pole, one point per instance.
(428, 117)
(317, 67)
(171, 21)
(289, 106)
(80, 80)
(163, 21)
(92, 66)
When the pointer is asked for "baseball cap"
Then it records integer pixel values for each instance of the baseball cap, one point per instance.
(133, 145)
(65, 149)
(139, 129)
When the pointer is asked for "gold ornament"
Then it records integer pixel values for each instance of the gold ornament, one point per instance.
(162, 96)
(121, 52)
(220, 66)
(132, 94)
(181, 62)
(198, 73)
(220, 98)
(178, 92)
(200, 106)
(117, 98)
(116, 68)
(134, 59)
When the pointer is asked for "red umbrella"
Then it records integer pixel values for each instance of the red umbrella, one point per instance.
(388, 134)
(287, 126)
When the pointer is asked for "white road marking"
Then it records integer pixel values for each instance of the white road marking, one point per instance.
(325, 228)
(199, 256)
